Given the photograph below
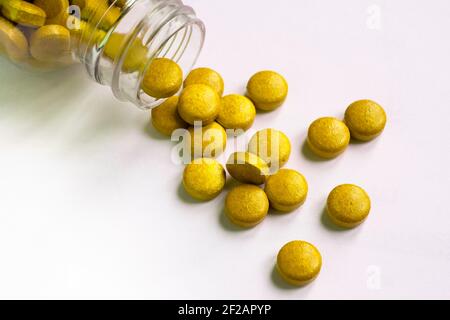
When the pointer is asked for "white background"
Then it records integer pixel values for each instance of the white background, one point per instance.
(91, 204)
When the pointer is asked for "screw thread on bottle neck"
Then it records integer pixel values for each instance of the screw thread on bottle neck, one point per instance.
(120, 44)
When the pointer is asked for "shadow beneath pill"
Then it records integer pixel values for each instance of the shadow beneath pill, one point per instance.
(185, 197)
(227, 225)
(329, 225)
(308, 154)
(150, 131)
(278, 282)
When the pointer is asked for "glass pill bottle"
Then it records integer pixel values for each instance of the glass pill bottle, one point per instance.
(115, 40)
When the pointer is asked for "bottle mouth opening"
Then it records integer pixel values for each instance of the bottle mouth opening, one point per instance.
(144, 32)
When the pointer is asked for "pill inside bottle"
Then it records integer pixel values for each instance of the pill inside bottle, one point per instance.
(116, 41)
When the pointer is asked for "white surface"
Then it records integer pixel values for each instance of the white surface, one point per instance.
(90, 203)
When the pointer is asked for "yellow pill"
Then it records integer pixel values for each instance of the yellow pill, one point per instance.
(82, 33)
(237, 112)
(206, 76)
(328, 137)
(271, 145)
(110, 17)
(50, 43)
(136, 55)
(163, 78)
(12, 41)
(366, 120)
(247, 168)
(246, 205)
(268, 90)
(56, 10)
(24, 13)
(204, 179)
(287, 190)
(165, 118)
(198, 102)
(209, 141)
(348, 206)
(299, 263)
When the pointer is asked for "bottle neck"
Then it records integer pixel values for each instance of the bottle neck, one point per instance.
(117, 44)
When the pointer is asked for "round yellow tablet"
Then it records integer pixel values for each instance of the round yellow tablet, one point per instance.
(271, 145)
(209, 141)
(12, 41)
(50, 43)
(366, 120)
(247, 168)
(348, 205)
(246, 205)
(299, 263)
(80, 3)
(328, 137)
(163, 78)
(83, 33)
(121, 3)
(24, 13)
(237, 112)
(165, 117)
(206, 76)
(204, 179)
(199, 102)
(136, 55)
(99, 12)
(268, 90)
(287, 190)
(57, 11)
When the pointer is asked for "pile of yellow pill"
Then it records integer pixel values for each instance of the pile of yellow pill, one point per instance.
(200, 105)
(263, 184)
